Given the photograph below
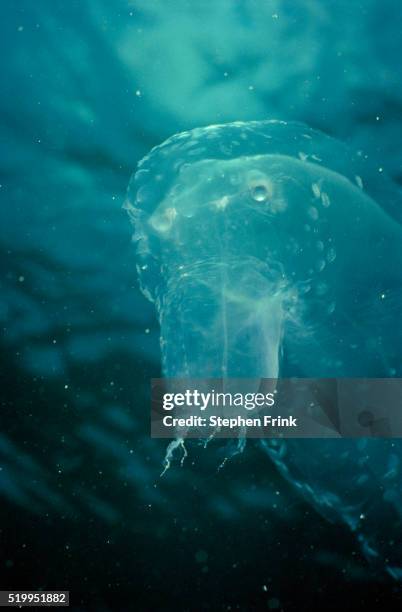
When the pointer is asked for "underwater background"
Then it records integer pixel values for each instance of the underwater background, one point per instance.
(88, 88)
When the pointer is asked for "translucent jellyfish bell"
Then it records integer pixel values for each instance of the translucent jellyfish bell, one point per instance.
(269, 249)
(251, 237)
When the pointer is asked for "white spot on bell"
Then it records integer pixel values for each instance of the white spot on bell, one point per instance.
(222, 203)
(163, 222)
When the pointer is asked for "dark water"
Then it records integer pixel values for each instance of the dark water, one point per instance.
(87, 89)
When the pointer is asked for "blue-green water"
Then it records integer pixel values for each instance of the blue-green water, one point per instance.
(88, 89)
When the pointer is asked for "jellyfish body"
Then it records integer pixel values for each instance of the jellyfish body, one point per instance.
(264, 255)
(269, 249)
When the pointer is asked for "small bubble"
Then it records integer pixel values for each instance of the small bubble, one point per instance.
(325, 200)
(313, 213)
(259, 193)
(331, 307)
(316, 190)
(320, 245)
(320, 265)
(359, 181)
(331, 255)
